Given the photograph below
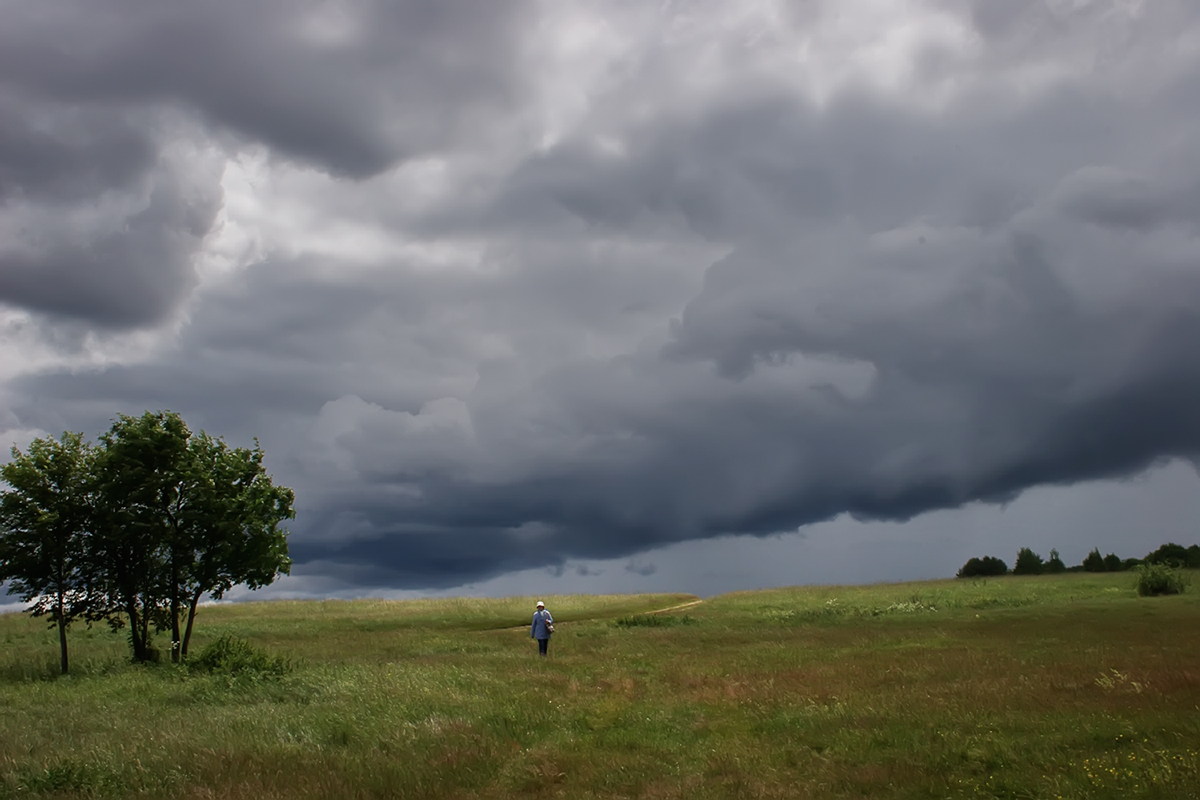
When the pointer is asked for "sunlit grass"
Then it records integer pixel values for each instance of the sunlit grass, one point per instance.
(1068, 686)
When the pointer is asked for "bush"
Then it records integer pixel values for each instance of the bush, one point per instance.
(230, 655)
(1028, 563)
(1155, 579)
(982, 567)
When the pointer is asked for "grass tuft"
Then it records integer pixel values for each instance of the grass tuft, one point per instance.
(231, 655)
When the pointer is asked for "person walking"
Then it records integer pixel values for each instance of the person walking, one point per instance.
(543, 626)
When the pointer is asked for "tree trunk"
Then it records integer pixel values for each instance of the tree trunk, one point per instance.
(187, 634)
(62, 633)
(175, 638)
(139, 646)
(145, 634)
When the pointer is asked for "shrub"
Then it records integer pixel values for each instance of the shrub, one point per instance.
(1155, 579)
(230, 655)
(982, 567)
(1028, 563)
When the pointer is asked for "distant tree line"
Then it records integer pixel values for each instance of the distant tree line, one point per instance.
(136, 529)
(1171, 555)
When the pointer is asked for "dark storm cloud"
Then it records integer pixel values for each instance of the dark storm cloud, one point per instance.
(118, 278)
(701, 309)
(70, 155)
(351, 87)
(93, 95)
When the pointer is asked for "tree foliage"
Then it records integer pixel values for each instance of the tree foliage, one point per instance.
(1094, 562)
(1175, 555)
(158, 517)
(1028, 563)
(983, 567)
(1054, 564)
(45, 523)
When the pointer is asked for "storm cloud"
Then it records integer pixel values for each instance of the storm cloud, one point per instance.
(522, 285)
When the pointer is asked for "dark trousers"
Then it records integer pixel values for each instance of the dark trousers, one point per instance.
(542, 645)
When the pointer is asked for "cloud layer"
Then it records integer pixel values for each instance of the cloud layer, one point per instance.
(504, 286)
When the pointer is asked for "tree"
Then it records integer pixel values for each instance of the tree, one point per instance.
(1028, 563)
(982, 567)
(1054, 564)
(1170, 555)
(1113, 563)
(187, 516)
(45, 523)
(1094, 562)
(230, 532)
(139, 477)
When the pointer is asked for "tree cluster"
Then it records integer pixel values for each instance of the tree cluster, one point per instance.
(983, 567)
(137, 528)
(1030, 563)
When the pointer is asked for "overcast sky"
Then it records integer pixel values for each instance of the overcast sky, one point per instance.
(530, 296)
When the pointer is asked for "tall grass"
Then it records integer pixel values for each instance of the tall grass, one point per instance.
(1048, 687)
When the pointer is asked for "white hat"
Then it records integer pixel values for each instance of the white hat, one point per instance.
(541, 604)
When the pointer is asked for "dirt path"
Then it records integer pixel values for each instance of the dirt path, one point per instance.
(688, 604)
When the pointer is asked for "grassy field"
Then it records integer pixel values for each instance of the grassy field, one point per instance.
(1068, 686)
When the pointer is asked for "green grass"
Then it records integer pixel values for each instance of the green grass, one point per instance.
(1066, 686)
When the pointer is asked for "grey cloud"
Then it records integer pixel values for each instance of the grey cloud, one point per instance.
(125, 277)
(735, 313)
(641, 569)
(349, 86)
(68, 154)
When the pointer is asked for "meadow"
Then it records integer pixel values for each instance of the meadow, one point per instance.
(1067, 686)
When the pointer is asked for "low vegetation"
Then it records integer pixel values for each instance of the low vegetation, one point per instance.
(1064, 686)
(1155, 579)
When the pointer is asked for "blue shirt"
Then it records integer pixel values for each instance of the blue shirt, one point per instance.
(538, 629)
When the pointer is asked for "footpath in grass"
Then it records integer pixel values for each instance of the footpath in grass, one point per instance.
(1047, 687)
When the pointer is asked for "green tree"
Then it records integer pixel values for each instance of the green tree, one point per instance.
(1094, 562)
(187, 516)
(1054, 564)
(1028, 563)
(982, 567)
(45, 522)
(230, 532)
(141, 502)
(1113, 563)
(1169, 554)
